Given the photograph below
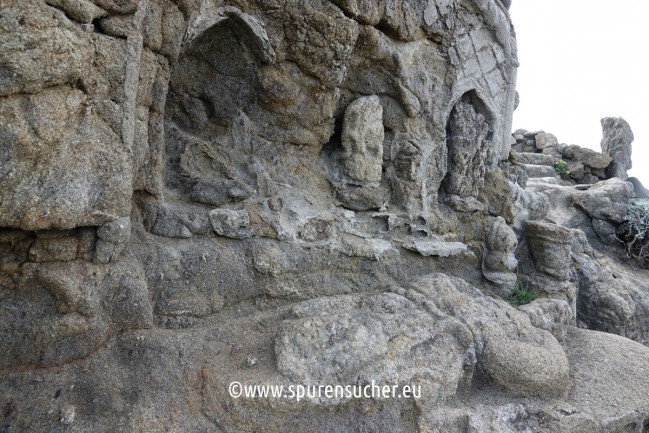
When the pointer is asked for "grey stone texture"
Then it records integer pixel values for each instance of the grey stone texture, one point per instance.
(112, 238)
(617, 138)
(551, 246)
(231, 223)
(499, 261)
(608, 200)
(196, 192)
(362, 139)
(553, 315)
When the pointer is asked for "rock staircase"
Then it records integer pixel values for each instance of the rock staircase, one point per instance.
(538, 165)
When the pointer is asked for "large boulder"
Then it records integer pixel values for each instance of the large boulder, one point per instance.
(587, 156)
(381, 338)
(607, 200)
(612, 298)
(514, 354)
(544, 139)
(66, 161)
(639, 189)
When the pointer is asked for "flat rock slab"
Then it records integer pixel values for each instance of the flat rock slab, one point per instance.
(535, 158)
(437, 248)
(611, 377)
(534, 171)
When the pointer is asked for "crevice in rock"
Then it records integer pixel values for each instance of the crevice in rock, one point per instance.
(388, 30)
(80, 85)
(382, 26)
(335, 141)
(97, 26)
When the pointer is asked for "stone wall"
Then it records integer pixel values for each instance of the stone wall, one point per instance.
(291, 70)
(195, 192)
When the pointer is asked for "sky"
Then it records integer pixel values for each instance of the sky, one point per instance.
(580, 61)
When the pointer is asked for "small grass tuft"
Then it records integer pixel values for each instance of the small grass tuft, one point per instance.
(561, 168)
(522, 294)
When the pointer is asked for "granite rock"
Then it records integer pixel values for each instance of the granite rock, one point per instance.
(616, 144)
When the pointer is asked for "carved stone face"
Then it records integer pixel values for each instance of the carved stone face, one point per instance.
(362, 140)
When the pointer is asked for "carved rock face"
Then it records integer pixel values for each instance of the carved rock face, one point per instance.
(362, 139)
(468, 141)
(499, 262)
(293, 71)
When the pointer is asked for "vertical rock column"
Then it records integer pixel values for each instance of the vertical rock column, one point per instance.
(551, 247)
(499, 262)
(616, 143)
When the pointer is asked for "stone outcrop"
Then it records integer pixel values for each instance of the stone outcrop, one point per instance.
(606, 291)
(608, 200)
(539, 152)
(616, 144)
(638, 189)
(499, 262)
(201, 193)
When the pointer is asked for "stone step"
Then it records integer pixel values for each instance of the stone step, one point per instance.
(437, 248)
(535, 158)
(534, 170)
(533, 183)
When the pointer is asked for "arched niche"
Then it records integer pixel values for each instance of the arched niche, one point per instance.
(215, 77)
(469, 142)
(213, 87)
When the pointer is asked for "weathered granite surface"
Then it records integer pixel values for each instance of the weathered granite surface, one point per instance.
(195, 192)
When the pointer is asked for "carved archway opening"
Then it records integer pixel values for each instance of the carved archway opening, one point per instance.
(215, 79)
(213, 87)
(469, 142)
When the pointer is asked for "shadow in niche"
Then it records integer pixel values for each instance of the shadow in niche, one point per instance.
(331, 151)
(469, 139)
(214, 79)
(335, 141)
